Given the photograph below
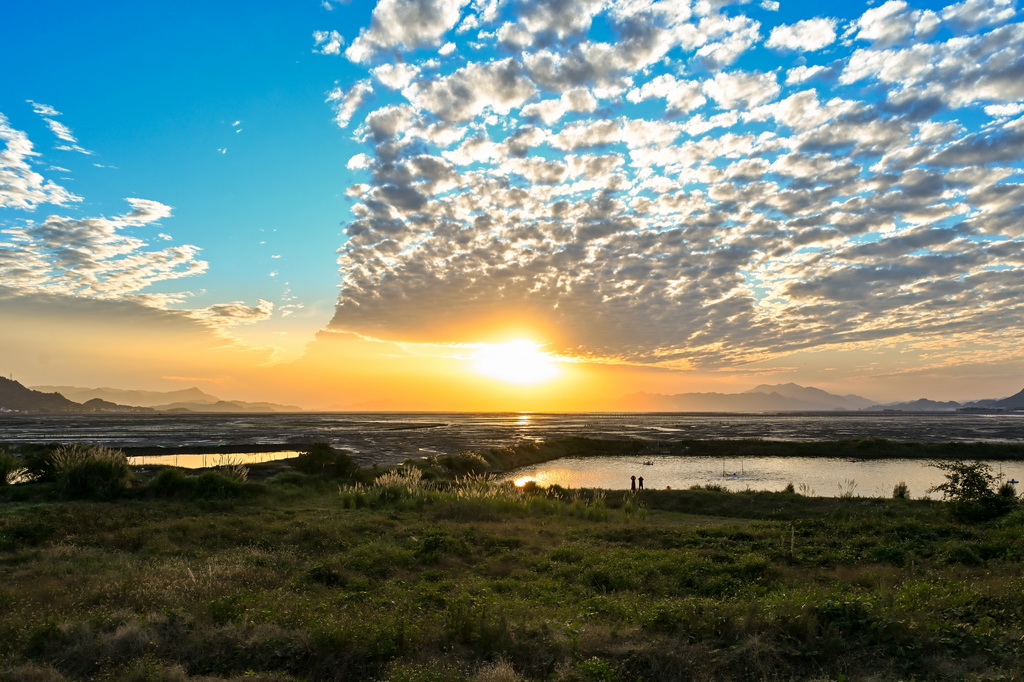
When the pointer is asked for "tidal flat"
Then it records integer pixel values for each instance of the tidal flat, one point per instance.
(316, 570)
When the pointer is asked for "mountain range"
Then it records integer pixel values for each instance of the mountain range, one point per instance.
(73, 399)
(184, 400)
(795, 398)
(764, 398)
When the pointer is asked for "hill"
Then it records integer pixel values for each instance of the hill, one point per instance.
(131, 397)
(15, 397)
(764, 398)
(184, 400)
(923, 405)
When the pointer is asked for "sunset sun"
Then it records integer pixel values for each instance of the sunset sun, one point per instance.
(520, 361)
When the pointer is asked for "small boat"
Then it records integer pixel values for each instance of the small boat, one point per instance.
(648, 463)
(1014, 481)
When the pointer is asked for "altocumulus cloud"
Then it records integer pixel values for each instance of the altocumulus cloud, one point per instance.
(92, 258)
(687, 183)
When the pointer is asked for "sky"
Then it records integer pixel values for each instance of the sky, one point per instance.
(504, 204)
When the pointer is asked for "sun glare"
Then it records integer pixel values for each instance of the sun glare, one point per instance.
(519, 361)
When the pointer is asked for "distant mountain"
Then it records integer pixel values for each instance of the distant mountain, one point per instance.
(184, 400)
(131, 397)
(765, 398)
(14, 396)
(815, 396)
(922, 405)
(1014, 402)
(226, 406)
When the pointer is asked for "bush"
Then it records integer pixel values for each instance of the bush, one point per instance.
(323, 460)
(207, 485)
(901, 491)
(969, 488)
(464, 463)
(9, 466)
(82, 470)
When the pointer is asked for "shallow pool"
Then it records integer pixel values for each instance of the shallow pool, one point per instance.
(815, 476)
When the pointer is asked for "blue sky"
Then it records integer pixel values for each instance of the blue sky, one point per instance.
(726, 192)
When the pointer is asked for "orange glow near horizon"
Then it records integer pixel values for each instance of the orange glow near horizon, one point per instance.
(519, 362)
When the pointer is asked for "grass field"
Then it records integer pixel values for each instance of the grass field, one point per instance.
(416, 575)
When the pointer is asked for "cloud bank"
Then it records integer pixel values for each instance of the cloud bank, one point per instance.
(695, 189)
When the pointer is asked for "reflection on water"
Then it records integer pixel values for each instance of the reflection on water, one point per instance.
(187, 461)
(814, 476)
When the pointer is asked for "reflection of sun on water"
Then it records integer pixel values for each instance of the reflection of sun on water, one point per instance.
(520, 362)
(544, 478)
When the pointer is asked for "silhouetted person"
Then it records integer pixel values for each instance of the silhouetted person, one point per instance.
(632, 483)
(640, 482)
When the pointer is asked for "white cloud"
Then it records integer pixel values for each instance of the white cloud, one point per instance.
(60, 131)
(92, 257)
(680, 96)
(559, 18)
(327, 42)
(808, 35)
(1004, 110)
(396, 76)
(236, 312)
(741, 90)
(43, 109)
(496, 86)
(346, 103)
(20, 186)
(359, 162)
(551, 110)
(407, 24)
(971, 15)
(893, 23)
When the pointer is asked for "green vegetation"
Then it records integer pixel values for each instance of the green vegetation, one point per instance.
(972, 491)
(9, 467)
(430, 572)
(323, 460)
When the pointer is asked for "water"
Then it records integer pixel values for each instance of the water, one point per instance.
(202, 461)
(389, 438)
(814, 476)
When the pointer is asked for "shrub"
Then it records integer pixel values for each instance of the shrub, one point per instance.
(1007, 490)
(82, 470)
(207, 485)
(172, 483)
(323, 460)
(464, 463)
(9, 467)
(969, 490)
(901, 491)
(213, 484)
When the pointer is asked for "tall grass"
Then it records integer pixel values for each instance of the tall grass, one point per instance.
(10, 467)
(84, 471)
(472, 497)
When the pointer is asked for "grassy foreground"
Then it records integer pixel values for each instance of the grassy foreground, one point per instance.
(413, 576)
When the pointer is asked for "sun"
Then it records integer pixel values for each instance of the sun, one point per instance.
(520, 362)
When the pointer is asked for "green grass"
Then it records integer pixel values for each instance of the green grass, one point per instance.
(430, 572)
(412, 578)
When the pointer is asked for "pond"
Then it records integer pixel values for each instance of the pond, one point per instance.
(194, 461)
(812, 476)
